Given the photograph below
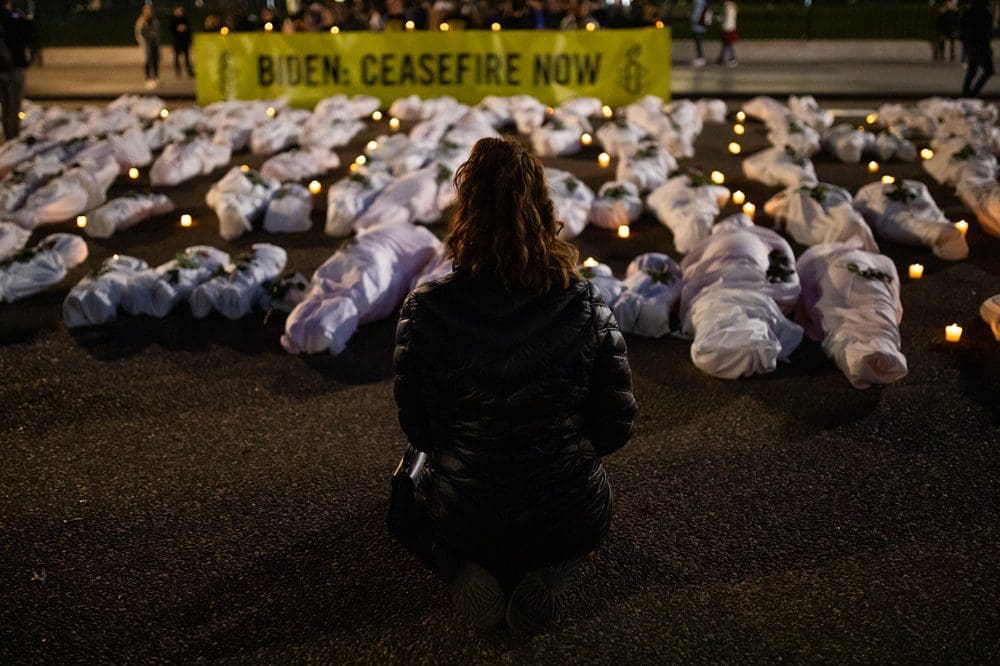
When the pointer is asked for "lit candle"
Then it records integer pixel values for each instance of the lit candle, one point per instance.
(315, 187)
(871, 118)
(953, 333)
(245, 168)
(739, 129)
(861, 128)
(22, 115)
(81, 221)
(186, 220)
(962, 226)
(604, 159)
(590, 262)
(495, 27)
(360, 160)
(659, 25)
(926, 153)
(739, 197)
(268, 27)
(740, 116)
(270, 112)
(410, 25)
(749, 210)
(734, 148)
(334, 30)
(586, 139)
(376, 115)
(445, 27)
(549, 110)
(888, 180)
(224, 31)
(873, 166)
(164, 113)
(372, 145)
(353, 167)
(591, 27)
(916, 271)
(718, 177)
(607, 111)
(133, 173)
(394, 124)
(624, 231)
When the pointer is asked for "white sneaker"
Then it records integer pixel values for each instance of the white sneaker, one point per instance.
(990, 312)
(698, 63)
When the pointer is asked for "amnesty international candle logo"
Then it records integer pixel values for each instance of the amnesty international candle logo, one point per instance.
(614, 65)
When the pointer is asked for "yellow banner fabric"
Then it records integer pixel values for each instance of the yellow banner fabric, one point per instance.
(618, 66)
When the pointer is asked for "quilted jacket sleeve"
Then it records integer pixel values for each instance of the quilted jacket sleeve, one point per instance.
(410, 406)
(611, 407)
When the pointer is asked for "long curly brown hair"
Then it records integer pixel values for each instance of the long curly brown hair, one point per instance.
(504, 223)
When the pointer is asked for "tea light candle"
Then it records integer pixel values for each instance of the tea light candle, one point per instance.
(495, 27)
(916, 271)
(624, 231)
(394, 123)
(739, 197)
(739, 129)
(334, 30)
(224, 31)
(953, 333)
(659, 25)
(740, 116)
(590, 262)
(372, 145)
(268, 27)
(360, 160)
(607, 111)
(718, 177)
(549, 110)
(22, 115)
(315, 187)
(353, 167)
(591, 27)
(245, 168)
(873, 166)
(871, 118)
(410, 25)
(376, 115)
(962, 226)
(734, 148)
(749, 210)
(926, 153)
(271, 112)
(133, 173)
(186, 220)
(888, 180)
(444, 27)
(586, 139)
(604, 159)
(81, 221)
(164, 113)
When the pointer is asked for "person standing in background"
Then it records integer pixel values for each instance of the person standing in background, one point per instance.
(13, 67)
(180, 31)
(977, 33)
(147, 35)
(727, 54)
(701, 18)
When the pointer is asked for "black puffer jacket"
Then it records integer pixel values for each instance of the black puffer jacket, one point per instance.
(515, 397)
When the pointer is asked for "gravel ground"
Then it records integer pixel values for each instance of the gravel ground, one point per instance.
(179, 489)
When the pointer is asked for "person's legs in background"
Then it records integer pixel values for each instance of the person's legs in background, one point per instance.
(12, 103)
(987, 72)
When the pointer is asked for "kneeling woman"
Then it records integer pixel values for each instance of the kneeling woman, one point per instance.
(512, 376)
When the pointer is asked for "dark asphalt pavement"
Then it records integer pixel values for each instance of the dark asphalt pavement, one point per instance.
(178, 490)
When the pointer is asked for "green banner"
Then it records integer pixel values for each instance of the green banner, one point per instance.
(617, 66)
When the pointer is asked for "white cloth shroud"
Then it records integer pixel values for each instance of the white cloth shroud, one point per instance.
(792, 133)
(18, 185)
(95, 299)
(821, 213)
(12, 239)
(779, 167)
(808, 111)
(850, 302)
(554, 138)
(572, 200)
(66, 196)
(350, 197)
(278, 133)
(766, 109)
(604, 279)
(289, 211)
(438, 267)
(364, 281)
(619, 135)
(989, 311)
(956, 161)
(35, 269)
(238, 199)
(420, 196)
(617, 204)
(241, 284)
(155, 292)
(687, 204)
(646, 164)
(848, 143)
(982, 197)
(294, 165)
(180, 162)
(650, 290)
(126, 212)
(904, 212)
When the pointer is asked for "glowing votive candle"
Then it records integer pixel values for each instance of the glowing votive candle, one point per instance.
(549, 110)
(740, 116)
(718, 177)
(873, 166)
(624, 231)
(916, 271)
(394, 123)
(590, 262)
(376, 115)
(495, 27)
(607, 111)
(353, 167)
(659, 25)
(871, 118)
(888, 180)
(372, 145)
(749, 210)
(334, 30)
(739, 129)
(962, 226)
(186, 220)
(586, 139)
(245, 168)
(164, 113)
(360, 160)
(224, 31)
(410, 25)
(953, 333)
(445, 27)
(81, 221)
(133, 173)
(591, 27)
(926, 153)
(739, 197)
(734, 148)
(268, 27)
(604, 159)
(270, 112)
(315, 187)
